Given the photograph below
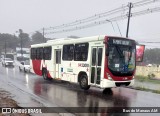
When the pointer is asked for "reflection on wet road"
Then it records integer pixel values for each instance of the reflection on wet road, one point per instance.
(65, 94)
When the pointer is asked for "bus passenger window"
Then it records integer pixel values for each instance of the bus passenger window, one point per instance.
(68, 52)
(58, 57)
(81, 52)
(94, 50)
(33, 53)
(47, 53)
(100, 50)
(40, 53)
(37, 53)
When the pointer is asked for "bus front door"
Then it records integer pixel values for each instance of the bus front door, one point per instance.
(96, 65)
(57, 62)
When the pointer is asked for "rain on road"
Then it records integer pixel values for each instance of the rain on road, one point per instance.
(38, 92)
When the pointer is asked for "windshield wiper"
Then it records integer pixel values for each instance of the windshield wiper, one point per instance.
(129, 58)
(119, 51)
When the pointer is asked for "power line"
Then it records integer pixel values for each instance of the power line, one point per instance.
(144, 2)
(142, 12)
(157, 42)
(101, 15)
(91, 20)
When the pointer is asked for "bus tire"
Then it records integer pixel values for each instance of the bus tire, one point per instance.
(84, 82)
(44, 73)
(108, 91)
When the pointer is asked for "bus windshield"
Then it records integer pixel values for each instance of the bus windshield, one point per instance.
(121, 59)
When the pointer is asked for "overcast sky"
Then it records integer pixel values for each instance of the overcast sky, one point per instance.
(32, 15)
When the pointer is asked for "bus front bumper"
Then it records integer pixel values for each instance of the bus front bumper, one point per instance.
(109, 84)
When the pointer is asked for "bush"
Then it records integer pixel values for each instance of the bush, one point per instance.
(151, 76)
(140, 78)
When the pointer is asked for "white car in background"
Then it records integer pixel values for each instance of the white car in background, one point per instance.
(7, 62)
(24, 66)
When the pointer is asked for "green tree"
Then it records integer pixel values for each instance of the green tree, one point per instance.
(37, 38)
(152, 56)
(24, 39)
(8, 40)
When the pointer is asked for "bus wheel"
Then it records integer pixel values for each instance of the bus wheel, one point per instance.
(84, 82)
(44, 73)
(108, 91)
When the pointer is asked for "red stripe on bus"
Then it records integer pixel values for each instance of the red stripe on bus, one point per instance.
(36, 66)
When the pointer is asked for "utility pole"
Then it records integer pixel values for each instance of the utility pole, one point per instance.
(5, 49)
(21, 49)
(129, 15)
(20, 35)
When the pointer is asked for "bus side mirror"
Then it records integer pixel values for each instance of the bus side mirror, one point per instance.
(107, 52)
(139, 52)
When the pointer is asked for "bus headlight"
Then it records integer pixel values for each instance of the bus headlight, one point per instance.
(109, 77)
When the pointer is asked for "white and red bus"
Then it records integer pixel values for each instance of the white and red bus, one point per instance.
(102, 61)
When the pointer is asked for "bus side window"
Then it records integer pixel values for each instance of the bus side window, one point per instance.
(81, 52)
(94, 50)
(68, 52)
(37, 53)
(47, 53)
(33, 53)
(58, 57)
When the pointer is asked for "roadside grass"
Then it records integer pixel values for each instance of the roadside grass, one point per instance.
(149, 90)
(149, 78)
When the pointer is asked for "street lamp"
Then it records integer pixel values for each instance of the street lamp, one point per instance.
(111, 23)
(113, 26)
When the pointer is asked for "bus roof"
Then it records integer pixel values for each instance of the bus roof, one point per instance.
(72, 40)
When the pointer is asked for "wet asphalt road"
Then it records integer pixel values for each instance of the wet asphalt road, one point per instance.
(32, 90)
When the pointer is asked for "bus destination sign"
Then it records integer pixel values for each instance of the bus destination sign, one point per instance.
(121, 42)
